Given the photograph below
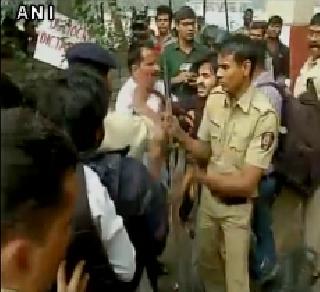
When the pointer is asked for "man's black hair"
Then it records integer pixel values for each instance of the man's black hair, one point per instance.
(275, 19)
(249, 10)
(35, 157)
(135, 53)
(164, 10)
(185, 12)
(77, 102)
(242, 48)
(211, 58)
(11, 95)
(259, 25)
(315, 20)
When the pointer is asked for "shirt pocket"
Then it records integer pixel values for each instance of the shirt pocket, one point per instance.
(238, 144)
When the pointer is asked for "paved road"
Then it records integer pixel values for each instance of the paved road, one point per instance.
(287, 226)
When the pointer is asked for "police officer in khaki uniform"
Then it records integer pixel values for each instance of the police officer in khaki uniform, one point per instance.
(311, 69)
(238, 136)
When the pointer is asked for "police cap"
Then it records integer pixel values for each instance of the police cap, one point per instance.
(92, 54)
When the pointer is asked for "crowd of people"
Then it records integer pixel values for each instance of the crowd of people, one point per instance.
(206, 136)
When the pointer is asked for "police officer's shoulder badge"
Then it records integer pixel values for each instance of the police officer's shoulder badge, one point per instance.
(267, 139)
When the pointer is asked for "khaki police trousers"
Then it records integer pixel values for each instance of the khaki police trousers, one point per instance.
(223, 236)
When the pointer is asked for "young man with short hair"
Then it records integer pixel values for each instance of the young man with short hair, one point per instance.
(278, 51)
(164, 22)
(237, 136)
(258, 30)
(180, 55)
(247, 21)
(39, 188)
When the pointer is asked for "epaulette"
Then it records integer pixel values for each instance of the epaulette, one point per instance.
(262, 103)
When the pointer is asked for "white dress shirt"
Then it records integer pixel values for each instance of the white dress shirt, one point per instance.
(115, 239)
(124, 101)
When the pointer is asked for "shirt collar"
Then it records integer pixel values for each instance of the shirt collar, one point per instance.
(194, 45)
(167, 38)
(244, 101)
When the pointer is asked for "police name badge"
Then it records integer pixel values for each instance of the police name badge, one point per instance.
(267, 140)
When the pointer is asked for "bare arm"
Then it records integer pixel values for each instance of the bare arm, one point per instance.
(201, 150)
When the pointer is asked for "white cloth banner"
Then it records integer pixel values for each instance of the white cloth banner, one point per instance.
(55, 37)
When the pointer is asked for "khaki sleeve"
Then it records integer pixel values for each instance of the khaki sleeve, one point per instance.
(263, 144)
(204, 129)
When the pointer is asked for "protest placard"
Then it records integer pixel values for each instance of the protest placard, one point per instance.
(55, 37)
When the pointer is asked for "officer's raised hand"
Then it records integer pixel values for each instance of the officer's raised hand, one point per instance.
(171, 126)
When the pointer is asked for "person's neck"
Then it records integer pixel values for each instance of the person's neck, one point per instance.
(163, 35)
(185, 45)
(273, 41)
(242, 90)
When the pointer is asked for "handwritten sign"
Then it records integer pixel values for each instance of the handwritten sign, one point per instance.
(55, 37)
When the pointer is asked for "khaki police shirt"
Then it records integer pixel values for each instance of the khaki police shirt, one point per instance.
(311, 69)
(243, 133)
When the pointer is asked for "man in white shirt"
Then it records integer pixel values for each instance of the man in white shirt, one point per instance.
(311, 68)
(142, 63)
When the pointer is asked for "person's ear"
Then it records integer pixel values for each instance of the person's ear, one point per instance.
(135, 68)
(247, 68)
(17, 254)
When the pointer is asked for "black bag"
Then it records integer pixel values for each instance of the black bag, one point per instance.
(297, 159)
(141, 201)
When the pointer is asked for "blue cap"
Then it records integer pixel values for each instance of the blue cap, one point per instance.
(91, 53)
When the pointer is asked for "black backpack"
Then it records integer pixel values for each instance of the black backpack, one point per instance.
(297, 158)
(85, 244)
(142, 203)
